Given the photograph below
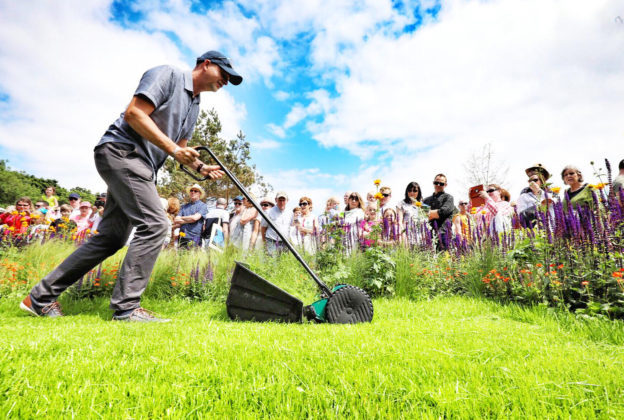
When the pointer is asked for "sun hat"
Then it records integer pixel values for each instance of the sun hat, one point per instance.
(539, 168)
(85, 204)
(222, 61)
(267, 200)
(202, 193)
(281, 194)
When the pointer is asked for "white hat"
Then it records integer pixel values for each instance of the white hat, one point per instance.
(202, 193)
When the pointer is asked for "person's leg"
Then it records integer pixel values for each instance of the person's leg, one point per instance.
(113, 232)
(130, 181)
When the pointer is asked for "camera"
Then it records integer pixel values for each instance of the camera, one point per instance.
(100, 203)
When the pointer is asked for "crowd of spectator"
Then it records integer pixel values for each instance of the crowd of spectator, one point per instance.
(406, 221)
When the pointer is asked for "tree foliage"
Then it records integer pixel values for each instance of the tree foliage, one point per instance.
(16, 184)
(233, 153)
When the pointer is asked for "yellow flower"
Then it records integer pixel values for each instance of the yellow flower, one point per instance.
(378, 196)
(95, 232)
(182, 234)
(88, 230)
(483, 212)
(473, 210)
(14, 212)
(418, 204)
(555, 190)
(601, 185)
(377, 182)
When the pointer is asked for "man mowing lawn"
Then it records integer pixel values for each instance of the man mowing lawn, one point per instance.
(158, 122)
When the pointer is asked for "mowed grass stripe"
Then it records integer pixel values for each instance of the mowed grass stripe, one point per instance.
(455, 357)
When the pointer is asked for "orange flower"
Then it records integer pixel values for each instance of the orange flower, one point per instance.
(174, 284)
(377, 182)
(379, 196)
(584, 283)
(560, 266)
(539, 265)
(617, 274)
(555, 190)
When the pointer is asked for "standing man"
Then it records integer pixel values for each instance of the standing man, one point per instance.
(190, 219)
(442, 208)
(158, 122)
(282, 220)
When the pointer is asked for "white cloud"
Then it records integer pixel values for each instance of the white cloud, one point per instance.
(69, 73)
(277, 130)
(308, 182)
(541, 80)
(266, 144)
(280, 95)
(296, 114)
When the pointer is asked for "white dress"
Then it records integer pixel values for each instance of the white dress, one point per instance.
(308, 240)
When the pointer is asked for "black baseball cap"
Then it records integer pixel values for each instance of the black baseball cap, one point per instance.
(222, 61)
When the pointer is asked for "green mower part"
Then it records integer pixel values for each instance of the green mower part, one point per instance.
(347, 305)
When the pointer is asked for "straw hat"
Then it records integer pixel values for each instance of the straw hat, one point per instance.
(202, 193)
(539, 168)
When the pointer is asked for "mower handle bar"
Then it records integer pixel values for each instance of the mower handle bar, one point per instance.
(324, 288)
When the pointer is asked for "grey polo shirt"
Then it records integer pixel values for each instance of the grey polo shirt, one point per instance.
(170, 90)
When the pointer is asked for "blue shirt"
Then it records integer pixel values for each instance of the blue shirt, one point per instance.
(170, 90)
(189, 209)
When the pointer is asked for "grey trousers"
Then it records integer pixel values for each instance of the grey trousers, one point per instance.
(132, 200)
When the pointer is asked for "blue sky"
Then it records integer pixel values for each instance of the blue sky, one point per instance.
(336, 93)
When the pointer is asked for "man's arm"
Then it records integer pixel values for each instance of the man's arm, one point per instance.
(137, 115)
(182, 220)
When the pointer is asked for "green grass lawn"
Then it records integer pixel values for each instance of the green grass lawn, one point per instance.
(449, 357)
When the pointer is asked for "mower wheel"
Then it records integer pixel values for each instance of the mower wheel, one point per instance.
(349, 305)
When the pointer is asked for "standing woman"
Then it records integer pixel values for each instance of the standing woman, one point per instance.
(307, 226)
(173, 208)
(579, 193)
(246, 222)
(410, 214)
(354, 210)
(17, 221)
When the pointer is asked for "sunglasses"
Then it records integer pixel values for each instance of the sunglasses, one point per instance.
(461, 203)
(354, 197)
(237, 203)
(438, 183)
(385, 194)
(413, 190)
(265, 204)
(303, 203)
(491, 190)
(533, 179)
(21, 205)
(73, 199)
(38, 206)
(195, 191)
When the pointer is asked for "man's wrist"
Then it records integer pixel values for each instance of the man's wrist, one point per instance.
(176, 150)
